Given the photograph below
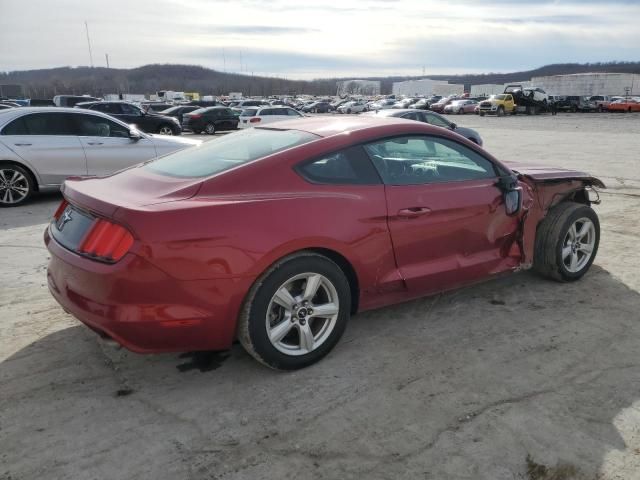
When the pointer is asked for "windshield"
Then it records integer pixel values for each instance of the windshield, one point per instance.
(500, 97)
(228, 152)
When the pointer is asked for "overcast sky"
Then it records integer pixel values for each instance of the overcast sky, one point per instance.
(318, 38)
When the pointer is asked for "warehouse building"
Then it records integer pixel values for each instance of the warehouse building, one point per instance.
(583, 84)
(426, 86)
(486, 89)
(358, 87)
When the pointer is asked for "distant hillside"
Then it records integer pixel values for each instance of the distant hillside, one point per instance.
(147, 79)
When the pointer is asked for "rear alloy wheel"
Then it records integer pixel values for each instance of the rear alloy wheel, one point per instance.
(16, 185)
(210, 129)
(567, 242)
(165, 130)
(296, 312)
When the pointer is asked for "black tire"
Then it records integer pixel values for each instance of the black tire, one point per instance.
(252, 329)
(500, 112)
(481, 114)
(8, 171)
(197, 132)
(550, 237)
(348, 110)
(210, 129)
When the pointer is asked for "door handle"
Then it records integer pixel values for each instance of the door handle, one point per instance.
(413, 212)
(94, 143)
(22, 144)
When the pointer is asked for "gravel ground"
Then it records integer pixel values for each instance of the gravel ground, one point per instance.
(465, 385)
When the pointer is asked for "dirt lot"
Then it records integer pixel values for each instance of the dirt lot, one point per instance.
(460, 386)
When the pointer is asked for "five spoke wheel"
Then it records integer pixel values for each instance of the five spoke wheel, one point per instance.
(578, 245)
(302, 314)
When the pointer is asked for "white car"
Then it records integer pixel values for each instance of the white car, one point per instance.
(258, 116)
(353, 107)
(41, 146)
(383, 104)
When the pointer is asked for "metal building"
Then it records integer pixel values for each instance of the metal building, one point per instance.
(486, 89)
(590, 84)
(426, 86)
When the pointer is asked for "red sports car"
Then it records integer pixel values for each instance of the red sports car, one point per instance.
(275, 236)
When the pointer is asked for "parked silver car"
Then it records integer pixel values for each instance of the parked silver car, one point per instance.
(41, 147)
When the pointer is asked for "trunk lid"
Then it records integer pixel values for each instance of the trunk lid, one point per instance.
(132, 188)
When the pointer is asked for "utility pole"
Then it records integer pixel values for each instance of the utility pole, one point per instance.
(106, 55)
(86, 26)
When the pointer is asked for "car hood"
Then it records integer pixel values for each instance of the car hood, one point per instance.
(544, 173)
(169, 141)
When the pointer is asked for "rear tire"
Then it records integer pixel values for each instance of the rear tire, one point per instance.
(567, 242)
(16, 185)
(210, 129)
(278, 325)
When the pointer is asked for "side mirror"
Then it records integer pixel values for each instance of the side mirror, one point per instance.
(453, 126)
(513, 201)
(134, 135)
(512, 194)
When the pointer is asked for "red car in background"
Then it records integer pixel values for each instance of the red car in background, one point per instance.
(627, 105)
(441, 104)
(275, 236)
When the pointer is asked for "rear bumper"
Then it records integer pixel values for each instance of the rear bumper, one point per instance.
(143, 308)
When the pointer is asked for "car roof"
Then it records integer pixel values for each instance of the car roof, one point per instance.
(324, 127)
(12, 113)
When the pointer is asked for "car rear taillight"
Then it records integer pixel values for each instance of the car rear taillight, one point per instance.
(192, 116)
(255, 120)
(106, 241)
(60, 209)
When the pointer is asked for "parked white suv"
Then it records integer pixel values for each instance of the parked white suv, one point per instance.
(258, 116)
(40, 147)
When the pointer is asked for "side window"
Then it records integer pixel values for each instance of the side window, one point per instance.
(411, 116)
(346, 167)
(436, 120)
(292, 113)
(280, 111)
(17, 127)
(95, 126)
(266, 111)
(129, 109)
(42, 124)
(419, 160)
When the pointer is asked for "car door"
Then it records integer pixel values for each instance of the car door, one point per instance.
(446, 215)
(48, 142)
(107, 145)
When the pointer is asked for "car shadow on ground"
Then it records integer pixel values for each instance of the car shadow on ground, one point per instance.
(461, 385)
(32, 212)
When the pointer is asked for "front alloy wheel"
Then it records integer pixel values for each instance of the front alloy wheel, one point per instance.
(165, 130)
(15, 186)
(578, 245)
(296, 312)
(210, 129)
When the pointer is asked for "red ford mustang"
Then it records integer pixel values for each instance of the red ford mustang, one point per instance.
(275, 236)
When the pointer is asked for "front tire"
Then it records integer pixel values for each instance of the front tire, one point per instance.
(16, 185)
(567, 242)
(165, 130)
(500, 112)
(210, 129)
(296, 312)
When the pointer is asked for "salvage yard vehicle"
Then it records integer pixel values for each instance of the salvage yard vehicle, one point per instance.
(529, 100)
(178, 111)
(356, 106)
(603, 101)
(72, 100)
(286, 231)
(440, 105)
(317, 107)
(132, 114)
(498, 105)
(624, 105)
(259, 116)
(210, 120)
(431, 118)
(461, 106)
(41, 146)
